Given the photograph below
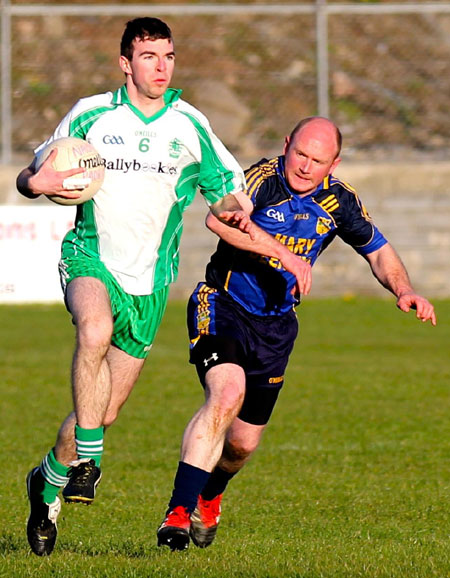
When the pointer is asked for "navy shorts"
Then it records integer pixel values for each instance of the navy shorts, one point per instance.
(222, 331)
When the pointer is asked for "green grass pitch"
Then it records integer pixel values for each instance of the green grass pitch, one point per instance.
(352, 478)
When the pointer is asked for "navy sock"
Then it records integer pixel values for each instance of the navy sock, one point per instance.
(189, 482)
(218, 481)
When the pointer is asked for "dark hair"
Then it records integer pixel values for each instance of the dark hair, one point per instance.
(143, 29)
(309, 119)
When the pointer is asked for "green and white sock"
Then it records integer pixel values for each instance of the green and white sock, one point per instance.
(89, 443)
(55, 475)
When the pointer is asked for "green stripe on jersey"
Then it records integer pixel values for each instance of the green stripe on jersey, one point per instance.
(84, 235)
(215, 180)
(166, 269)
(81, 124)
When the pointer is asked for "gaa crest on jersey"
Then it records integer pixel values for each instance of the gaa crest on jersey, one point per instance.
(323, 226)
(175, 148)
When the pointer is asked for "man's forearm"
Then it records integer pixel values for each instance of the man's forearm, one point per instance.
(260, 242)
(263, 243)
(23, 184)
(389, 270)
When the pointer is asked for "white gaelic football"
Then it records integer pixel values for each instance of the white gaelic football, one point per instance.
(72, 154)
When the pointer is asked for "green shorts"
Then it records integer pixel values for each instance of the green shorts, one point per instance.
(136, 317)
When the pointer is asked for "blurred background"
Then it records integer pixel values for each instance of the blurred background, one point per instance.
(381, 70)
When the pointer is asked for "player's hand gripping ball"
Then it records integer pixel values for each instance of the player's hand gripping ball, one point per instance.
(72, 154)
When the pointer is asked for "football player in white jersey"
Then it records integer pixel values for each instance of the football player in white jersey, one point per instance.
(118, 261)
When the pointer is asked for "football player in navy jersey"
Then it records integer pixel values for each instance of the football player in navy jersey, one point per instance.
(241, 319)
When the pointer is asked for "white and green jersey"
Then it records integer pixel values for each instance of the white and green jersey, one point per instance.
(154, 167)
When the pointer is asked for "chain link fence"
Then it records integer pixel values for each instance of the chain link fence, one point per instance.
(380, 70)
(254, 69)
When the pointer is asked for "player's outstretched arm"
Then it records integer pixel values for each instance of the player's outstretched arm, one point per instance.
(258, 241)
(46, 181)
(234, 211)
(388, 268)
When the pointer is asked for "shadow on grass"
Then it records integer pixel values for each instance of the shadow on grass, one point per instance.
(12, 544)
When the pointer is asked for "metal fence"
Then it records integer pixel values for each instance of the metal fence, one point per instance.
(381, 71)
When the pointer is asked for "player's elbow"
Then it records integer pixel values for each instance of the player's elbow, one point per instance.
(212, 222)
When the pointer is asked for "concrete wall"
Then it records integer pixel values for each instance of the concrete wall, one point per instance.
(410, 203)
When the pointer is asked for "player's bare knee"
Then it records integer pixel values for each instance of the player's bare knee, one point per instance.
(232, 399)
(238, 450)
(95, 336)
(110, 418)
(227, 402)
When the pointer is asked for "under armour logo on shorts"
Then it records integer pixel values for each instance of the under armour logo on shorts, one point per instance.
(214, 357)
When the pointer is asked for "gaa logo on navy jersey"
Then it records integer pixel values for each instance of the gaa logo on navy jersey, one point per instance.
(277, 215)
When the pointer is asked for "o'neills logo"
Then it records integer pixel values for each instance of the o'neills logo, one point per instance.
(91, 162)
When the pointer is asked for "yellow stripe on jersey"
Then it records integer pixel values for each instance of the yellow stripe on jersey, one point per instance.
(330, 203)
(348, 187)
(257, 175)
(254, 180)
(227, 280)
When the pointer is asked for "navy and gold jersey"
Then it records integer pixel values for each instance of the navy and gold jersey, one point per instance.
(306, 225)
